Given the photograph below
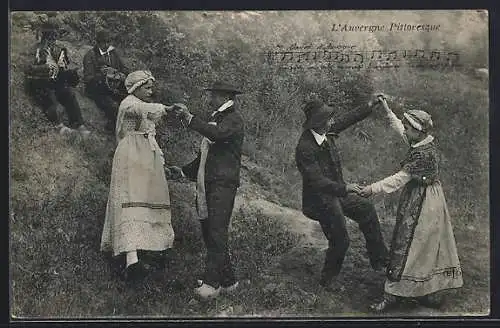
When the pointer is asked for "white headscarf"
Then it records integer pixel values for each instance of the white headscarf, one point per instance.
(136, 79)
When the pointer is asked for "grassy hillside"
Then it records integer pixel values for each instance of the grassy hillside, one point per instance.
(59, 185)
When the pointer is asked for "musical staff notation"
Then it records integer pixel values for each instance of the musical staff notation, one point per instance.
(362, 59)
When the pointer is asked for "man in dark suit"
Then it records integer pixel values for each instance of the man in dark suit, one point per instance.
(104, 74)
(326, 197)
(216, 171)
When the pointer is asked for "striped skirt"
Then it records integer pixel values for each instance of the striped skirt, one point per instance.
(424, 257)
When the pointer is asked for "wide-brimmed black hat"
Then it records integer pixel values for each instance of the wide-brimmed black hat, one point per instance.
(317, 113)
(224, 87)
(50, 25)
(102, 34)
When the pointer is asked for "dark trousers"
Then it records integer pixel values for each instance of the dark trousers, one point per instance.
(333, 224)
(47, 94)
(107, 102)
(215, 229)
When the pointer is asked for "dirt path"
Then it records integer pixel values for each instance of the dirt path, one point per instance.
(312, 238)
(309, 230)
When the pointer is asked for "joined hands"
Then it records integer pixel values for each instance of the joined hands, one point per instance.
(181, 111)
(378, 99)
(364, 191)
(174, 173)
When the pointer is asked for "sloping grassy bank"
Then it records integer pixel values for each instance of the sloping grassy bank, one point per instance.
(59, 189)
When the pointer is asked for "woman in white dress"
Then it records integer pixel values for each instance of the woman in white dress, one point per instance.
(423, 255)
(138, 216)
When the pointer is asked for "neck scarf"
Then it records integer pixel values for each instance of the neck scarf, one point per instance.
(320, 138)
(107, 51)
(424, 141)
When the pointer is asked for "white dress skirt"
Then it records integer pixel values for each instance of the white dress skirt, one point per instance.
(138, 215)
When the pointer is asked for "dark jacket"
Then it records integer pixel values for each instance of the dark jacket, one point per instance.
(41, 54)
(224, 156)
(321, 171)
(39, 71)
(350, 118)
(93, 62)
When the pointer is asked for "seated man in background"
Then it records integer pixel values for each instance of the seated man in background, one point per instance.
(50, 80)
(104, 75)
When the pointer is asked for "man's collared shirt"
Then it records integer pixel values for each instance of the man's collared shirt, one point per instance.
(107, 51)
(320, 138)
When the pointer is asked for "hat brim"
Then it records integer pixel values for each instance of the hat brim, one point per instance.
(49, 29)
(233, 91)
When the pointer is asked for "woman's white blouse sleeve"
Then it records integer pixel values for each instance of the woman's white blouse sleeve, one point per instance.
(142, 108)
(397, 125)
(391, 183)
(154, 108)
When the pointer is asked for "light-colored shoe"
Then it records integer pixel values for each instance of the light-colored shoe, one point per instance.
(389, 302)
(206, 291)
(83, 131)
(65, 130)
(230, 289)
